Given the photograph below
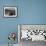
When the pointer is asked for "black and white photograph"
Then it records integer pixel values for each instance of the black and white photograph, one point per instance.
(10, 11)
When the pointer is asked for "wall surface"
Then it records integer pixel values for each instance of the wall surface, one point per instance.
(7, 25)
(29, 12)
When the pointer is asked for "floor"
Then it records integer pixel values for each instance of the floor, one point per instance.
(30, 43)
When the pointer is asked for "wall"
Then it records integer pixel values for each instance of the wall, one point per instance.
(29, 12)
(7, 25)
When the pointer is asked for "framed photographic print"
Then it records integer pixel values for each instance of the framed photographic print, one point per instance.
(31, 32)
(10, 11)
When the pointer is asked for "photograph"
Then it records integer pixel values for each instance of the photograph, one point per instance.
(32, 32)
(10, 11)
